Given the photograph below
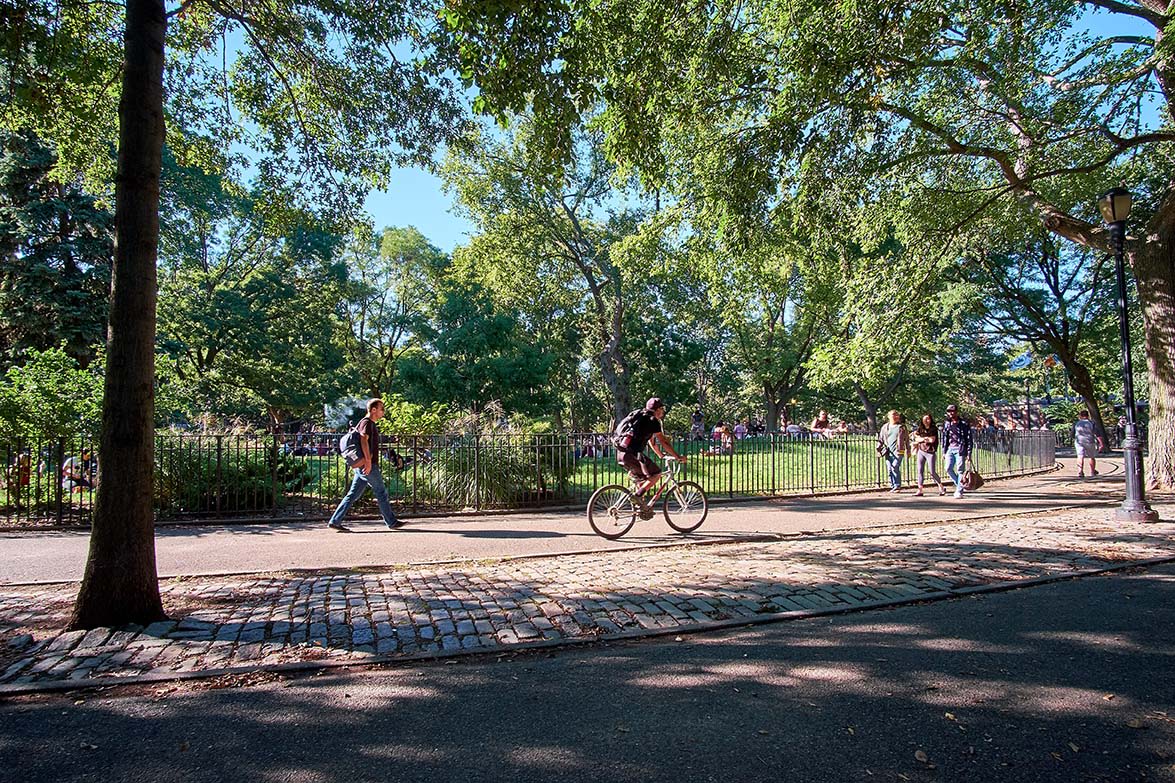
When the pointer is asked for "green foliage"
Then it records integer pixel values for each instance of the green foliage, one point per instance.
(390, 283)
(196, 477)
(507, 472)
(476, 355)
(241, 306)
(51, 395)
(409, 418)
(57, 246)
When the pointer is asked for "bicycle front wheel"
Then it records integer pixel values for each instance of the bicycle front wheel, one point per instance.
(612, 511)
(685, 506)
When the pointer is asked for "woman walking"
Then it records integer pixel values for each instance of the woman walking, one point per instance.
(894, 443)
(925, 440)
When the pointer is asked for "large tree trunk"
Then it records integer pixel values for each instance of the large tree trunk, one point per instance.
(1154, 273)
(121, 584)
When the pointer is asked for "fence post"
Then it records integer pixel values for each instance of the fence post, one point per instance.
(57, 478)
(273, 471)
(219, 472)
(477, 471)
(774, 489)
(846, 462)
(812, 464)
(730, 471)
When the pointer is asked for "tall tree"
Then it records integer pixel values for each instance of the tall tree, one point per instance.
(950, 109)
(1056, 297)
(555, 229)
(56, 243)
(391, 279)
(475, 355)
(322, 92)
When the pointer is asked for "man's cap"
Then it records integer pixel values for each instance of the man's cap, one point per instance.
(952, 409)
(654, 403)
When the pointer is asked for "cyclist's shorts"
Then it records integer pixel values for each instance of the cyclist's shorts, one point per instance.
(638, 465)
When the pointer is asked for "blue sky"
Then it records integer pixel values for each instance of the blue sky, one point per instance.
(415, 198)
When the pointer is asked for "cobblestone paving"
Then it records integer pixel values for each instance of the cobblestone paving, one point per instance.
(242, 622)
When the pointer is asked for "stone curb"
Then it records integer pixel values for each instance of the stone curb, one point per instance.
(11, 690)
(463, 515)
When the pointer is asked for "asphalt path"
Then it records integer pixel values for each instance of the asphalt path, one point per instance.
(246, 548)
(1070, 681)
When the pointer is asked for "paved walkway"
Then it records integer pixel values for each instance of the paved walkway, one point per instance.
(40, 556)
(243, 622)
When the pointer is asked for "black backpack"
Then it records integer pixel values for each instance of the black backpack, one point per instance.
(622, 437)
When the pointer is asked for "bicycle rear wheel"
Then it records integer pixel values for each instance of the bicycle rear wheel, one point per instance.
(685, 506)
(612, 511)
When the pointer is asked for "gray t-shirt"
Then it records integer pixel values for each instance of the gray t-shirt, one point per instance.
(1083, 433)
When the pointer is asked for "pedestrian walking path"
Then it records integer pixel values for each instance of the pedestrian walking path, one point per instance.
(209, 548)
(240, 623)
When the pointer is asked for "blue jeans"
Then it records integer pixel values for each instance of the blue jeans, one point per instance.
(895, 469)
(955, 463)
(358, 485)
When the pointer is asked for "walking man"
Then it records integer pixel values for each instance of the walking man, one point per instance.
(1088, 444)
(956, 444)
(367, 471)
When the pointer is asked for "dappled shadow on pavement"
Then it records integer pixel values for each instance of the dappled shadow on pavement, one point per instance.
(1062, 683)
(240, 621)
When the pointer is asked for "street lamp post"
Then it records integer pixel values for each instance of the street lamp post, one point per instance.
(1115, 207)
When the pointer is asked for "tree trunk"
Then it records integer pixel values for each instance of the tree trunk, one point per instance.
(121, 583)
(1154, 273)
(771, 409)
(870, 409)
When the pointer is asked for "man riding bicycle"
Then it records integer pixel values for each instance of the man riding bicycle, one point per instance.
(630, 446)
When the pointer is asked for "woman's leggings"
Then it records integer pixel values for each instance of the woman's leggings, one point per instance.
(927, 458)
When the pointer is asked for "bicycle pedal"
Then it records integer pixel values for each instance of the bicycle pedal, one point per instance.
(646, 513)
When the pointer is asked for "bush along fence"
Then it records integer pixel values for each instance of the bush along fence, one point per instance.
(52, 481)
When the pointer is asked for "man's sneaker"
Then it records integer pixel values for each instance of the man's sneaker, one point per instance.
(1093, 472)
(958, 493)
(338, 528)
(395, 523)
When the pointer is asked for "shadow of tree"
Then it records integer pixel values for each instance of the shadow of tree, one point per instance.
(1064, 682)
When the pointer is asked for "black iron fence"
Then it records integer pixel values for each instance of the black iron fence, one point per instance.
(52, 480)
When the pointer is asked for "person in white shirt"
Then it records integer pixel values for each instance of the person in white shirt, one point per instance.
(1088, 444)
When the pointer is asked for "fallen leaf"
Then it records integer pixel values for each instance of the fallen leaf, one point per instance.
(80, 701)
(1056, 755)
(88, 746)
(1134, 724)
(903, 777)
(949, 716)
(1073, 747)
(849, 729)
(762, 731)
(1108, 697)
(184, 747)
(677, 639)
(623, 729)
(920, 755)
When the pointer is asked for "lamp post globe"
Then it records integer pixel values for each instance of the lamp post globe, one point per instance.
(1115, 208)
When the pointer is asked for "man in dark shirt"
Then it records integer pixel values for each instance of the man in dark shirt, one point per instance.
(367, 471)
(956, 445)
(647, 430)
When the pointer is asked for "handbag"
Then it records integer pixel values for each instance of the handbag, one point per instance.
(971, 480)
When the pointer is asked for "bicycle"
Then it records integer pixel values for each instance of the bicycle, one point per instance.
(613, 508)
